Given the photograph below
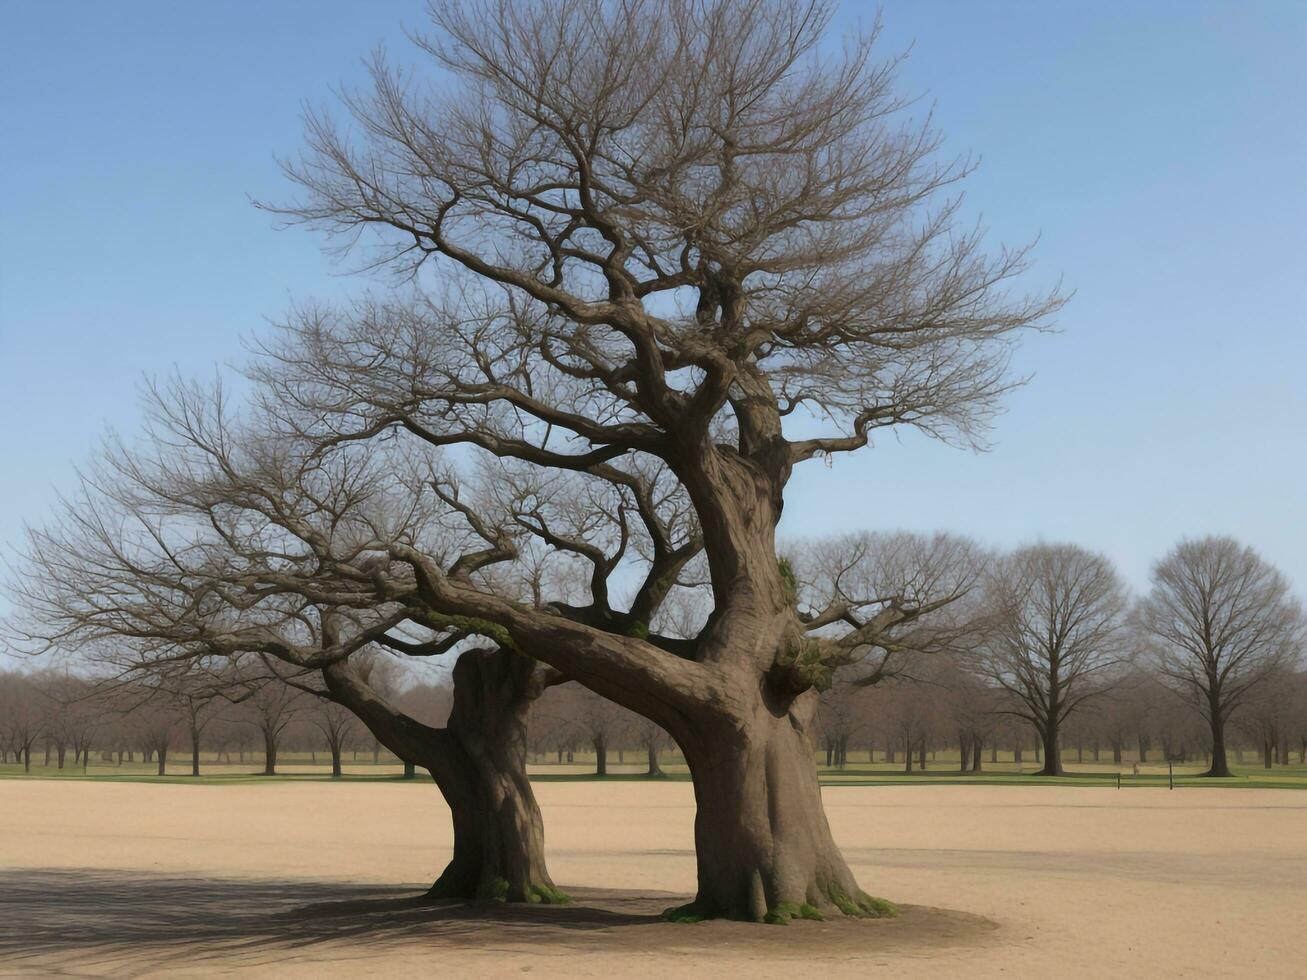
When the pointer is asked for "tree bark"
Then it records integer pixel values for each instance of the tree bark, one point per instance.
(1052, 753)
(654, 768)
(1220, 766)
(763, 844)
(478, 761)
(163, 758)
(976, 746)
(601, 755)
(195, 751)
(269, 753)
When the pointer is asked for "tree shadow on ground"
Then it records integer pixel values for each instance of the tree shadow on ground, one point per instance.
(128, 922)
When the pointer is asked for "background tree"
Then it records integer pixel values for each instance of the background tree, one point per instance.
(1056, 635)
(1221, 620)
(337, 726)
(25, 713)
(268, 705)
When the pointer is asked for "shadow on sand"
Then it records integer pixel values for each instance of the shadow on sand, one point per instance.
(129, 922)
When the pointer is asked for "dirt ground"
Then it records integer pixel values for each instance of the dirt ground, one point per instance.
(317, 879)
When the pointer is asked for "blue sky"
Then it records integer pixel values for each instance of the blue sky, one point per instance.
(1157, 149)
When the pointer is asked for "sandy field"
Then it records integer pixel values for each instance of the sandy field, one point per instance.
(315, 879)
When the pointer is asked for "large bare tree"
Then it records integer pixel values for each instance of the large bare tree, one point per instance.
(662, 253)
(1221, 620)
(1056, 635)
(690, 233)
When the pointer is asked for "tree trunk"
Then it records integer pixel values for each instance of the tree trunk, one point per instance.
(163, 759)
(921, 756)
(993, 752)
(410, 770)
(195, 751)
(976, 746)
(1016, 752)
(60, 753)
(1268, 758)
(336, 770)
(479, 764)
(1052, 755)
(762, 842)
(269, 753)
(652, 749)
(1220, 766)
(601, 755)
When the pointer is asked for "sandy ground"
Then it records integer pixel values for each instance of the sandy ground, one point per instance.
(315, 879)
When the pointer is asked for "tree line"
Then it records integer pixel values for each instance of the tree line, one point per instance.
(69, 719)
(1122, 692)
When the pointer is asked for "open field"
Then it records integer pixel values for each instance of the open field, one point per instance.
(304, 877)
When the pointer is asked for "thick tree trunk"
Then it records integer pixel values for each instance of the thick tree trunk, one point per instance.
(479, 764)
(269, 754)
(764, 848)
(1268, 758)
(976, 746)
(336, 770)
(1220, 766)
(1052, 754)
(410, 770)
(61, 754)
(601, 755)
(195, 751)
(163, 759)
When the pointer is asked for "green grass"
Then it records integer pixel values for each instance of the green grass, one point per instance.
(943, 773)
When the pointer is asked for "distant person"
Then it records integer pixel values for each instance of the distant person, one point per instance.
(1136, 769)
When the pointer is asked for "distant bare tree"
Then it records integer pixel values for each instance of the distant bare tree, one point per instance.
(1056, 635)
(1221, 621)
(270, 706)
(337, 726)
(24, 714)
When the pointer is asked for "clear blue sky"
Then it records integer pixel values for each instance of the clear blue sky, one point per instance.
(1158, 148)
